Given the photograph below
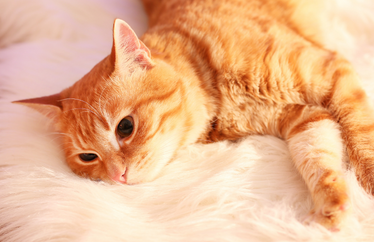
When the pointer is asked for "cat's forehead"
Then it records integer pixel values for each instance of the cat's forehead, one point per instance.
(92, 109)
(104, 90)
(96, 110)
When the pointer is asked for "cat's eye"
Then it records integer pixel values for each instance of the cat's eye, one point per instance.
(125, 127)
(87, 157)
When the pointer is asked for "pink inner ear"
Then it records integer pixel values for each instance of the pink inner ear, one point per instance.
(47, 100)
(49, 106)
(126, 40)
(125, 36)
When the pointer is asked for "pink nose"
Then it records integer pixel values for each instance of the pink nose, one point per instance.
(120, 177)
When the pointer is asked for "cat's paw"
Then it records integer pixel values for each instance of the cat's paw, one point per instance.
(330, 215)
(331, 203)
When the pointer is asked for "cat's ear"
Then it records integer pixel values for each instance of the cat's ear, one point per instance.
(126, 42)
(49, 106)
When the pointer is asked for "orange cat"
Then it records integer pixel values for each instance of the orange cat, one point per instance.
(210, 70)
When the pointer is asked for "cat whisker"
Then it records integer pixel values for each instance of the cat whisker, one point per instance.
(55, 136)
(70, 143)
(94, 111)
(137, 148)
(144, 162)
(87, 110)
(102, 92)
(59, 133)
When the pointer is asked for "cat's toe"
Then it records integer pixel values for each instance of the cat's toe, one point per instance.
(330, 215)
(335, 207)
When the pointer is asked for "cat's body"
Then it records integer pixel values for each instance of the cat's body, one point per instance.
(252, 70)
(216, 70)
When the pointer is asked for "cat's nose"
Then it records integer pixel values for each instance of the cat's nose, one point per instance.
(120, 177)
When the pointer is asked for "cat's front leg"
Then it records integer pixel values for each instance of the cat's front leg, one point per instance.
(350, 105)
(316, 148)
(335, 85)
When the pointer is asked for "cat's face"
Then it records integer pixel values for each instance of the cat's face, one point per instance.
(126, 128)
(124, 120)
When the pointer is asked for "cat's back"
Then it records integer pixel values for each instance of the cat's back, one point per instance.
(226, 31)
(228, 16)
(221, 18)
(163, 11)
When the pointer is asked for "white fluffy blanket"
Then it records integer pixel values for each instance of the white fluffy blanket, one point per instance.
(244, 191)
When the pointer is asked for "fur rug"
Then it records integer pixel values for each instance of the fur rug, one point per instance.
(244, 191)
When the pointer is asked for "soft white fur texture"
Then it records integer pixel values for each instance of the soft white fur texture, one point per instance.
(244, 191)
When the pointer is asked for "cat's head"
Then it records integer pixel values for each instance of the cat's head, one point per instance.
(125, 119)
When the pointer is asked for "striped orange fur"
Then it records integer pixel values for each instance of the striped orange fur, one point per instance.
(210, 70)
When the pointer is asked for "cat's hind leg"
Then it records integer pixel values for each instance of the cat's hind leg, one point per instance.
(316, 147)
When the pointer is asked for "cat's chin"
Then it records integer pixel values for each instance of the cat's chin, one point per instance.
(126, 184)
(111, 182)
(130, 183)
